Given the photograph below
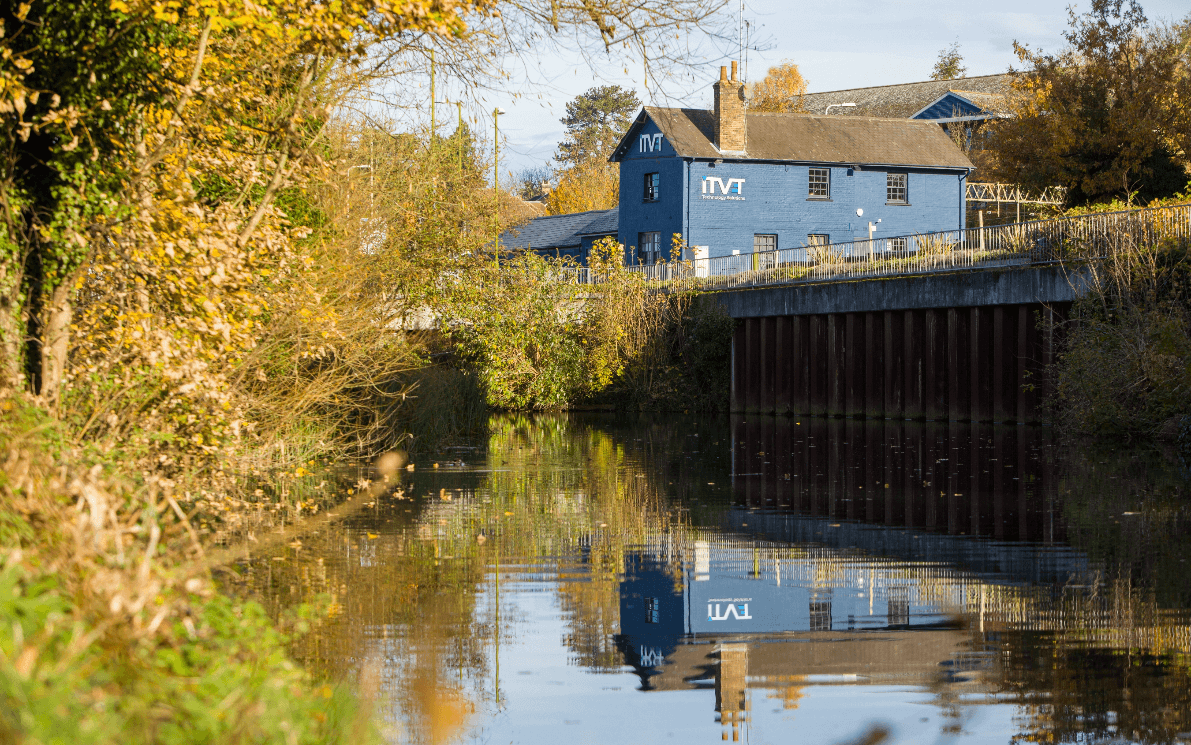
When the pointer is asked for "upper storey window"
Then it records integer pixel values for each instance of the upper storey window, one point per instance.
(819, 183)
(895, 188)
(653, 185)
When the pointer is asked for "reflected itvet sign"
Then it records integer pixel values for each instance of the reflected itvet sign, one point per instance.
(737, 608)
(742, 605)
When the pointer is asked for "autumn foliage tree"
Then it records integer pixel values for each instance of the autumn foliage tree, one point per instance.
(595, 122)
(780, 91)
(1105, 117)
(950, 64)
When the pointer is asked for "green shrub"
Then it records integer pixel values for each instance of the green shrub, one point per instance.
(229, 681)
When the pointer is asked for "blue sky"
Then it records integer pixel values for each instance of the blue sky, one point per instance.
(839, 44)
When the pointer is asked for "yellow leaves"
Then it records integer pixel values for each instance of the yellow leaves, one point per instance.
(119, 6)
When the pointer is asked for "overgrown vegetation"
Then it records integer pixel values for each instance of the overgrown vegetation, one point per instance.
(538, 341)
(1125, 369)
(209, 284)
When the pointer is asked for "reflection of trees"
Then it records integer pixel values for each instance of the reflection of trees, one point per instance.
(574, 493)
(1093, 693)
(415, 594)
(568, 502)
(1128, 509)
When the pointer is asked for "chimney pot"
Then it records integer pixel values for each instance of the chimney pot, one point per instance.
(723, 72)
(733, 69)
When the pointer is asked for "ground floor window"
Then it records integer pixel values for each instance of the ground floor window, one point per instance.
(764, 250)
(764, 242)
(649, 247)
(900, 245)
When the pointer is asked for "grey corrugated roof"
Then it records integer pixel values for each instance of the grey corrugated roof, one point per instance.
(551, 231)
(905, 99)
(814, 139)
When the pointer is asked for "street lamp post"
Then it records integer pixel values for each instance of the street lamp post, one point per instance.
(496, 171)
(827, 110)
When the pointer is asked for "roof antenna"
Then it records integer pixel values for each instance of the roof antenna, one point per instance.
(740, 31)
(748, 27)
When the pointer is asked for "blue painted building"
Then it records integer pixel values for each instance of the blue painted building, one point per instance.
(742, 182)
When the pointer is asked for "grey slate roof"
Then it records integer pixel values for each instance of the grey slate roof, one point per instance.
(556, 231)
(810, 139)
(906, 99)
(606, 222)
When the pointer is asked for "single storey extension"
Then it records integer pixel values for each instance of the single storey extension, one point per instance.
(739, 182)
(559, 236)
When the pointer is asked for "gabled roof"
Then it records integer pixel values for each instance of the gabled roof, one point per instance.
(806, 138)
(967, 105)
(903, 100)
(555, 231)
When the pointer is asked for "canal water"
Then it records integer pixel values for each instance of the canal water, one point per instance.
(591, 579)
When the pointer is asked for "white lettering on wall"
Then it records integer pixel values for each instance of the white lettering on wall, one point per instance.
(730, 186)
(650, 143)
(738, 610)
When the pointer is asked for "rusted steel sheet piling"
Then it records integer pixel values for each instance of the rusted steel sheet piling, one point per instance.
(979, 364)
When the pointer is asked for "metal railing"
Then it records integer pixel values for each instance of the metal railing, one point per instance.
(1082, 238)
(990, 193)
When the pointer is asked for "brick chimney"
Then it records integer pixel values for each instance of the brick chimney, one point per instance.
(731, 132)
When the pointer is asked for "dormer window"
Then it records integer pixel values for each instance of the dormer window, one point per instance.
(653, 185)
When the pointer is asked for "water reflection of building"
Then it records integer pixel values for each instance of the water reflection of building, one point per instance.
(737, 615)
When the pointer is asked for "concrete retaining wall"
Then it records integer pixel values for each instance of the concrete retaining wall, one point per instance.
(968, 289)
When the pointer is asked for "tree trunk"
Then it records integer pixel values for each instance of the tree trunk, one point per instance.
(11, 377)
(55, 344)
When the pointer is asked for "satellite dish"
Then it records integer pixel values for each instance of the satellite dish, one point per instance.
(859, 212)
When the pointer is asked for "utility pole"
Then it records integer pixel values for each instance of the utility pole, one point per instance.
(496, 171)
(434, 127)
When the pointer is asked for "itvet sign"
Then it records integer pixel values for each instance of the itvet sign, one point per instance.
(651, 143)
(739, 611)
(730, 189)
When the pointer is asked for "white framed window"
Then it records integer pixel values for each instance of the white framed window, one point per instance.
(763, 242)
(818, 239)
(900, 245)
(896, 191)
(764, 250)
(653, 186)
(649, 247)
(819, 183)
